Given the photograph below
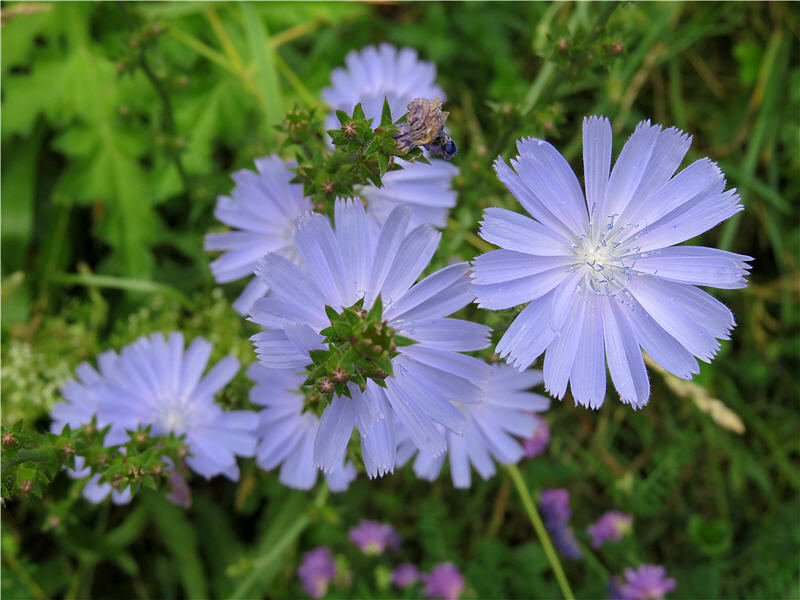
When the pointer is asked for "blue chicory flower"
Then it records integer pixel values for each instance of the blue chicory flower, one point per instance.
(78, 409)
(287, 433)
(444, 581)
(611, 526)
(262, 210)
(555, 506)
(505, 412)
(154, 382)
(601, 272)
(361, 262)
(373, 74)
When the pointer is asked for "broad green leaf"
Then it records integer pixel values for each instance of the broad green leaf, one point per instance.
(265, 76)
(178, 534)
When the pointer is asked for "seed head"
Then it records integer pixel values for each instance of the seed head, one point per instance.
(339, 375)
(325, 386)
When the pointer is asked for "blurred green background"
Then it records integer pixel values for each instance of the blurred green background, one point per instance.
(121, 123)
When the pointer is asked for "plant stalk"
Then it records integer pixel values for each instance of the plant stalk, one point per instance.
(541, 532)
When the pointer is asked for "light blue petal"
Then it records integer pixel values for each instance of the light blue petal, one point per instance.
(670, 312)
(514, 231)
(684, 223)
(548, 173)
(218, 377)
(696, 265)
(468, 367)
(273, 312)
(276, 351)
(662, 347)
(498, 266)
(378, 445)
(194, 363)
(335, 428)
(355, 243)
(421, 430)
(561, 352)
(412, 257)
(319, 250)
(459, 463)
(391, 237)
(498, 296)
(438, 295)
(448, 334)
(630, 168)
(597, 139)
(290, 283)
(588, 376)
(526, 339)
(624, 357)
(516, 184)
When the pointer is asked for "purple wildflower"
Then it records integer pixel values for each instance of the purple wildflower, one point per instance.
(648, 582)
(373, 537)
(444, 581)
(611, 526)
(405, 575)
(373, 74)
(555, 506)
(262, 210)
(356, 263)
(505, 411)
(602, 269)
(317, 571)
(538, 442)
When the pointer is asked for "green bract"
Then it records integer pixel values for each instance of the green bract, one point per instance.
(360, 347)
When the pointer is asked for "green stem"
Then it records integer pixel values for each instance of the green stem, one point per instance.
(244, 589)
(541, 532)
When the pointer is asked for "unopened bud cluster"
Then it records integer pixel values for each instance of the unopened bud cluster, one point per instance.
(360, 347)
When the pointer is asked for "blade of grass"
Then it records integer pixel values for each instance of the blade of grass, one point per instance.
(284, 531)
(265, 77)
(178, 535)
(124, 283)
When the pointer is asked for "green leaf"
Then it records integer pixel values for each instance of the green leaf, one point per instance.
(358, 113)
(386, 114)
(293, 517)
(268, 84)
(179, 536)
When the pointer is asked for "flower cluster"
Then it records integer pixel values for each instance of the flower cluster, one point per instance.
(610, 527)
(444, 581)
(555, 506)
(648, 582)
(317, 571)
(374, 538)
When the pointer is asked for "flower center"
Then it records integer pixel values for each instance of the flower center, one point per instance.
(361, 346)
(606, 261)
(172, 416)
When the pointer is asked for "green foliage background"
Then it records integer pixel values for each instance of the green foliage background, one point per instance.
(121, 124)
